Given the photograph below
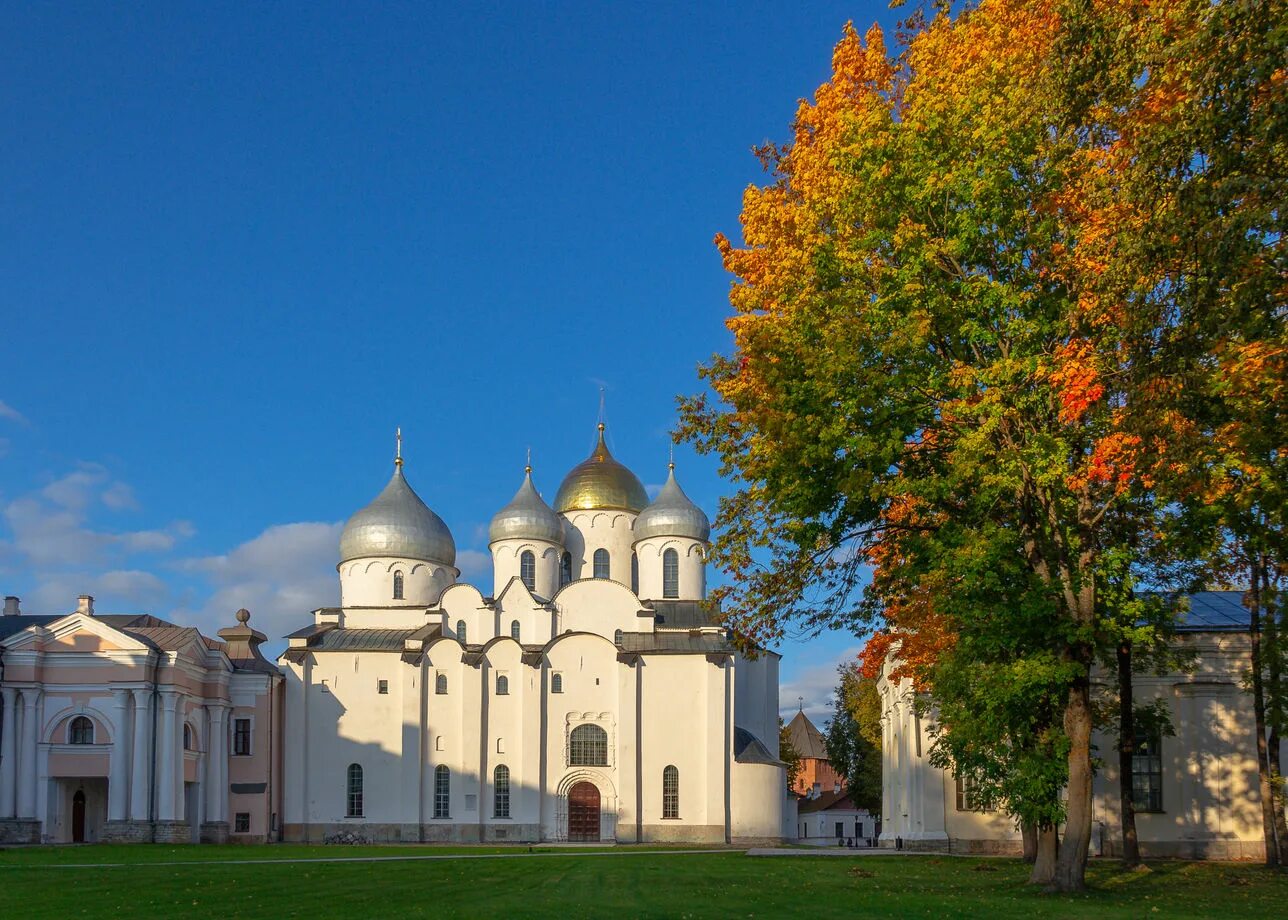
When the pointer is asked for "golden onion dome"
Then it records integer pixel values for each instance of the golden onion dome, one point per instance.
(600, 482)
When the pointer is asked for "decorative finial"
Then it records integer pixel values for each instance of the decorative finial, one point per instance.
(801, 701)
(601, 408)
(243, 616)
(527, 467)
(398, 461)
(671, 463)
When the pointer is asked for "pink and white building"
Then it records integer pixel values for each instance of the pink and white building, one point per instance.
(129, 728)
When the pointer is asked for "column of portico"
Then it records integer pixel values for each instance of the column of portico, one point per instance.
(141, 757)
(9, 754)
(30, 740)
(166, 757)
(118, 772)
(180, 758)
(217, 764)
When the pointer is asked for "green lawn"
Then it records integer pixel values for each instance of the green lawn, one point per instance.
(36, 883)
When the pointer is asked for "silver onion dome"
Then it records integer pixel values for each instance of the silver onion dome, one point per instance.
(527, 517)
(398, 524)
(672, 514)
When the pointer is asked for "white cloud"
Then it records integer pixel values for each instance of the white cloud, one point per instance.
(12, 414)
(475, 566)
(120, 497)
(117, 591)
(279, 576)
(815, 682)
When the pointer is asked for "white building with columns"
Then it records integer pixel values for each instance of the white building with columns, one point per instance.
(129, 728)
(587, 694)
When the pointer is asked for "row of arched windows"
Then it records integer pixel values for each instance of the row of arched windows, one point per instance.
(595, 755)
(601, 567)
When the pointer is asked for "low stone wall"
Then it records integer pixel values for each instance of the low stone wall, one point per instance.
(1191, 849)
(19, 830)
(214, 832)
(172, 832)
(413, 833)
(987, 847)
(682, 833)
(126, 832)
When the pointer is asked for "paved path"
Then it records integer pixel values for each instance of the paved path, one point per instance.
(357, 859)
(831, 851)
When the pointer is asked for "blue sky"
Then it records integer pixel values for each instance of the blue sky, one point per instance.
(239, 245)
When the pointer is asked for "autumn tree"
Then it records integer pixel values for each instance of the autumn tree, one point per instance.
(788, 754)
(944, 358)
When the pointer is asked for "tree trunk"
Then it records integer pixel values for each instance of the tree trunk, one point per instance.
(1029, 834)
(1126, 748)
(1046, 846)
(1071, 865)
(1259, 719)
(1274, 691)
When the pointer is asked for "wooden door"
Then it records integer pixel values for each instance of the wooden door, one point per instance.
(78, 816)
(583, 812)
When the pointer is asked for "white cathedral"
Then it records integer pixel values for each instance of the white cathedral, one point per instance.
(590, 695)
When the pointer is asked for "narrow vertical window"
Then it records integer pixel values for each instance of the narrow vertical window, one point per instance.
(528, 569)
(635, 573)
(398, 586)
(1147, 771)
(440, 684)
(241, 736)
(460, 631)
(565, 569)
(601, 563)
(502, 685)
(670, 574)
(514, 630)
(187, 737)
(354, 809)
(81, 731)
(556, 683)
(501, 792)
(617, 637)
(442, 791)
(670, 792)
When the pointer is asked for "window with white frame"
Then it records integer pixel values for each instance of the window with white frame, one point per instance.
(501, 792)
(588, 746)
(442, 791)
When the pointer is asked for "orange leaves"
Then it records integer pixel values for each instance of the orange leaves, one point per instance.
(1076, 379)
(1115, 461)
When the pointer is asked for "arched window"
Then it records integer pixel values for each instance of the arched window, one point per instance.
(398, 586)
(502, 685)
(565, 569)
(442, 791)
(528, 569)
(514, 630)
(440, 684)
(81, 731)
(588, 747)
(187, 737)
(460, 631)
(501, 792)
(601, 563)
(556, 683)
(617, 637)
(635, 573)
(670, 793)
(670, 574)
(354, 809)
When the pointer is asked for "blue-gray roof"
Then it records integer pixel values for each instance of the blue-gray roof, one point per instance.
(1215, 611)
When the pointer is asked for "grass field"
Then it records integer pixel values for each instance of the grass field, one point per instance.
(217, 882)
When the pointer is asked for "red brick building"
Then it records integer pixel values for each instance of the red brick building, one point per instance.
(816, 769)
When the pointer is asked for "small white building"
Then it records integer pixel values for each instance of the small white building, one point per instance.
(833, 816)
(589, 695)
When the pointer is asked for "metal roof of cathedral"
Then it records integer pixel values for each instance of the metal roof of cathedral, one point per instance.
(672, 514)
(526, 517)
(600, 482)
(398, 523)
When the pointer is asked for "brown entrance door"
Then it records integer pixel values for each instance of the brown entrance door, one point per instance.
(78, 816)
(583, 812)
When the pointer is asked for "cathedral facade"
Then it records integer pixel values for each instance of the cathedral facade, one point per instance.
(587, 695)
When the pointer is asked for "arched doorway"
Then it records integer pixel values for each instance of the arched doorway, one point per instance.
(583, 812)
(78, 816)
